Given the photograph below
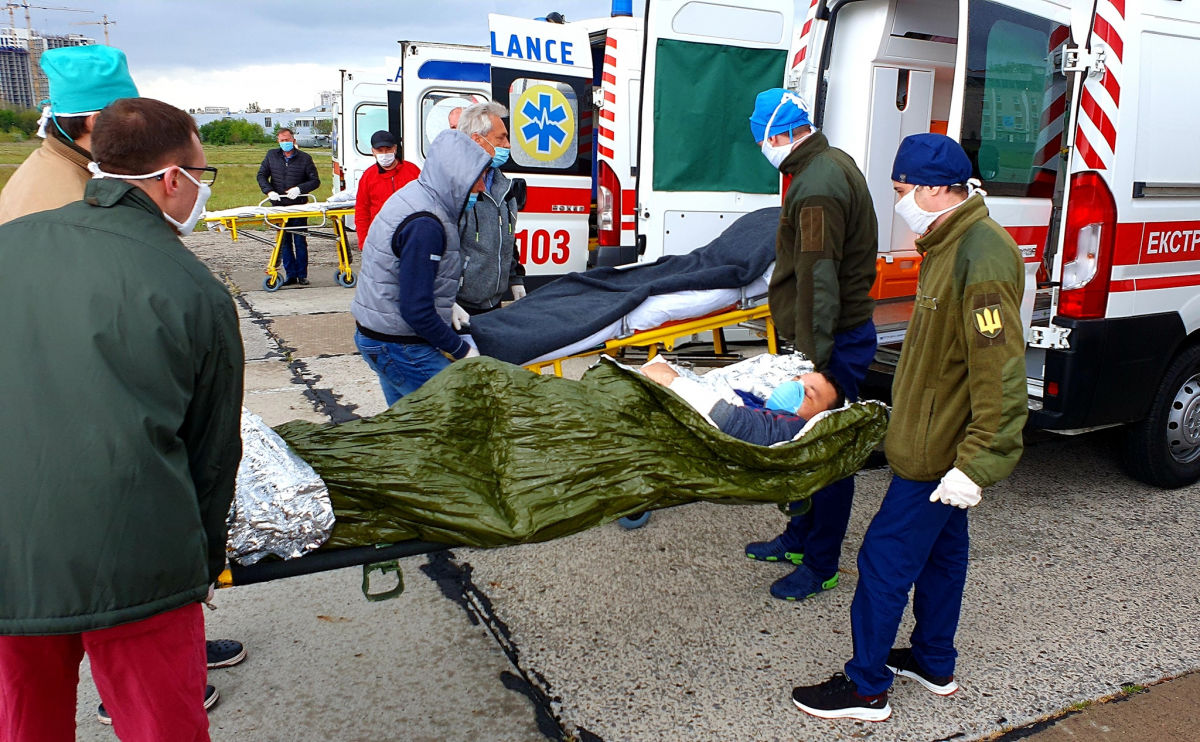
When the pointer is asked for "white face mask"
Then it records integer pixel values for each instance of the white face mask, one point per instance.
(386, 159)
(776, 154)
(202, 194)
(918, 219)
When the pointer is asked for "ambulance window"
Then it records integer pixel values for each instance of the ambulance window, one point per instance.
(544, 124)
(435, 112)
(1012, 115)
(368, 119)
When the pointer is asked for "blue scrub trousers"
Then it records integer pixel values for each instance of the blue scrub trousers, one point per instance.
(818, 533)
(911, 541)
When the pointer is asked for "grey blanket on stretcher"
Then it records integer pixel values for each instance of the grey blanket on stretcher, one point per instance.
(580, 304)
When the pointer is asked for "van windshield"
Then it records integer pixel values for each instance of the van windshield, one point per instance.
(1013, 101)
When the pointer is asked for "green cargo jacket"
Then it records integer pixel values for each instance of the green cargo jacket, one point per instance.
(959, 396)
(119, 416)
(825, 250)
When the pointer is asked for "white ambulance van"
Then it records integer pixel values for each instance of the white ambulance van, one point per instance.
(1075, 114)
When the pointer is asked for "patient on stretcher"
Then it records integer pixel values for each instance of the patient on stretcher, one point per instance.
(784, 414)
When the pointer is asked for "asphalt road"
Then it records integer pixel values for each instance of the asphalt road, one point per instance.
(1081, 581)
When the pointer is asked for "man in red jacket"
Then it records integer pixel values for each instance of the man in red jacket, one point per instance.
(380, 182)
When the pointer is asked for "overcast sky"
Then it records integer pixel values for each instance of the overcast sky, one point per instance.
(195, 53)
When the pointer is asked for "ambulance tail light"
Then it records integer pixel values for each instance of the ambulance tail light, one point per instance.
(1087, 248)
(608, 207)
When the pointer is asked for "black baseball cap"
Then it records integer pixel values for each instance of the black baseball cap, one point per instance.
(382, 138)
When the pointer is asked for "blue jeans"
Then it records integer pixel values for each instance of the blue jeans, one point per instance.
(818, 533)
(401, 367)
(294, 250)
(911, 541)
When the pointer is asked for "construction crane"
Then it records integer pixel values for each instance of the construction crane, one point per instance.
(36, 84)
(104, 22)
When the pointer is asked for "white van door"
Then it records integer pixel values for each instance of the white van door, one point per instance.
(698, 166)
(542, 73)
(362, 110)
(436, 79)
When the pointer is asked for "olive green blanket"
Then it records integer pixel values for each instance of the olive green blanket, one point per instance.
(488, 454)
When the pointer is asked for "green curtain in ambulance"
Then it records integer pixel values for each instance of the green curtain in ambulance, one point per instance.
(703, 96)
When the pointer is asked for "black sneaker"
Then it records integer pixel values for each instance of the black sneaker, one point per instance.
(778, 549)
(902, 662)
(290, 282)
(303, 281)
(210, 699)
(224, 653)
(838, 698)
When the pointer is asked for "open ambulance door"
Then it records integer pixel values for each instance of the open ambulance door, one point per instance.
(542, 73)
(698, 166)
(435, 79)
(362, 109)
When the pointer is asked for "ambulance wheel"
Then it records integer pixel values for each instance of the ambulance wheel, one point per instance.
(343, 281)
(272, 284)
(631, 522)
(1164, 449)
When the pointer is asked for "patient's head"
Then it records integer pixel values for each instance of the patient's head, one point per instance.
(807, 394)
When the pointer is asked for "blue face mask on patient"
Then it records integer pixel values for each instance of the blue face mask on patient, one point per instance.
(787, 397)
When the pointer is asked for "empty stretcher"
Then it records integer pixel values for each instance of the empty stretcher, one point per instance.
(331, 227)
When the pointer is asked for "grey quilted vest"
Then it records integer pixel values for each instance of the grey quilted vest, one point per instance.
(452, 166)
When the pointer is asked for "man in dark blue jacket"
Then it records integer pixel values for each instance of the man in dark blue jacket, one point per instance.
(791, 405)
(286, 174)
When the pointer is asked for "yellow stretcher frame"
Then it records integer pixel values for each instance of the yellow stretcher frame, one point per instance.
(668, 335)
(335, 217)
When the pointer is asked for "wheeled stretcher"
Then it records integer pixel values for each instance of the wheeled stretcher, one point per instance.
(331, 227)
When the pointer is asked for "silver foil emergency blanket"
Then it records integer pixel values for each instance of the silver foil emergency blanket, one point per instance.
(281, 506)
(758, 375)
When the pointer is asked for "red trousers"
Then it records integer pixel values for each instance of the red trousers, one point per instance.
(150, 674)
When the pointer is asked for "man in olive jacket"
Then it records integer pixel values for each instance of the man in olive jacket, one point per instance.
(960, 404)
(819, 292)
(120, 426)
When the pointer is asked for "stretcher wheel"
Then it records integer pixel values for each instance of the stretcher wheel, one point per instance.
(634, 521)
(272, 284)
(343, 281)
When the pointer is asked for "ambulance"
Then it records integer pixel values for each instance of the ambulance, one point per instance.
(632, 134)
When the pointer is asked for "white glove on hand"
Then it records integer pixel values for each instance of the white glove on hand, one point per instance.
(958, 490)
(472, 353)
(273, 196)
(293, 192)
(518, 291)
(459, 317)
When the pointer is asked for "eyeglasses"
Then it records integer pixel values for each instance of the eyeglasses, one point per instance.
(208, 175)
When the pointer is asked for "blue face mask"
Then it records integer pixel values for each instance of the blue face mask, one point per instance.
(787, 397)
(471, 201)
(500, 157)
(287, 146)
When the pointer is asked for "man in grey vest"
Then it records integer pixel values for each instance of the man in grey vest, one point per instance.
(404, 305)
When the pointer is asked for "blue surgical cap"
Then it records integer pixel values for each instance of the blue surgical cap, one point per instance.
(86, 78)
(787, 107)
(931, 160)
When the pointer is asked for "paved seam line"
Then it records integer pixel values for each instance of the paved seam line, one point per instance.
(454, 579)
(323, 400)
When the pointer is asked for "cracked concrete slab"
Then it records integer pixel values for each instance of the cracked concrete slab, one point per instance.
(313, 335)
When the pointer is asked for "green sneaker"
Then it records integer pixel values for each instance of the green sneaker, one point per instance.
(801, 584)
(778, 549)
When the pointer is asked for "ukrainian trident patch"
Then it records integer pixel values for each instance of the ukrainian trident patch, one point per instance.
(986, 318)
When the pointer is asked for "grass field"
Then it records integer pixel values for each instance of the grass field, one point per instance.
(236, 182)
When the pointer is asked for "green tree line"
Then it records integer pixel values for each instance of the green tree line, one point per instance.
(18, 124)
(233, 131)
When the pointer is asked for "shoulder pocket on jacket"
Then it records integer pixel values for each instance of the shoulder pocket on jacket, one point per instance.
(812, 229)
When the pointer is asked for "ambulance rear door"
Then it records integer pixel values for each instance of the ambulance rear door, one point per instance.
(698, 166)
(542, 73)
(362, 110)
(436, 79)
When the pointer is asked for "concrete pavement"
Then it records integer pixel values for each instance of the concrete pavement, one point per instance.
(1081, 580)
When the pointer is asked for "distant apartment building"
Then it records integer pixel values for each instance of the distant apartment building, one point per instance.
(302, 123)
(22, 84)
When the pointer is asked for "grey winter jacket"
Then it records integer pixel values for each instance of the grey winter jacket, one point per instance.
(491, 262)
(452, 166)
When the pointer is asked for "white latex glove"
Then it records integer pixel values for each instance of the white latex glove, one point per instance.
(958, 490)
(472, 353)
(518, 291)
(459, 317)
(293, 192)
(273, 196)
